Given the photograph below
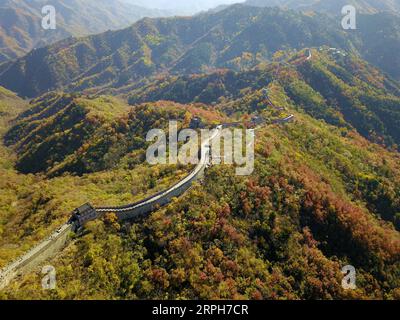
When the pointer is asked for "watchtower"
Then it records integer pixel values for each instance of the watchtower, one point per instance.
(196, 123)
(84, 214)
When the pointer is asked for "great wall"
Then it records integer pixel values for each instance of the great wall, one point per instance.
(37, 255)
(49, 247)
(52, 245)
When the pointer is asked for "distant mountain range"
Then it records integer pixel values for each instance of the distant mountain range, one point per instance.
(237, 38)
(350, 92)
(20, 21)
(182, 6)
(331, 6)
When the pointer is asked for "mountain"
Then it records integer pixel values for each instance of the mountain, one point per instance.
(21, 30)
(331, 6)
(10, 106)
(238, 37)
(228, 38)
(56, 120)
(324, 192)
(187, 7)
(350, 91)
(32, 206)
(343, 91)
(320, 197)
(76, 134)
(379, 41)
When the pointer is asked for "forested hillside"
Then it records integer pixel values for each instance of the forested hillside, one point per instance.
(322, 103)
(331, 6)
(32, 206)
(239, 37)
(21, 21)
(338, 88)
(77, 134)
(320, 197)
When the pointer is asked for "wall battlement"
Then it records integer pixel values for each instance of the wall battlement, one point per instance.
(53, 244)
(37, 255)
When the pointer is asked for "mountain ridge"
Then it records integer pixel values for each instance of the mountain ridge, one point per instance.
(187, 45)
(320, 197)
(21, 30)
(150, 44)
(331, 6)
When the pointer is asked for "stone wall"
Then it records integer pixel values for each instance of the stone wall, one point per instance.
(37, 255)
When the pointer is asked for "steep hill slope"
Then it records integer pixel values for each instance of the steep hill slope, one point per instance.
(33, 206)
(342, 90)
(186, 7)
(316, 201)
(155, 45)
(379, 37)
(331, 6)
(10, 106)
(321, 195)
(21, 30)
(239, 38)
(78, 134)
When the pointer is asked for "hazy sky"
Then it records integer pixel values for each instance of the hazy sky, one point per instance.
(183, 5)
